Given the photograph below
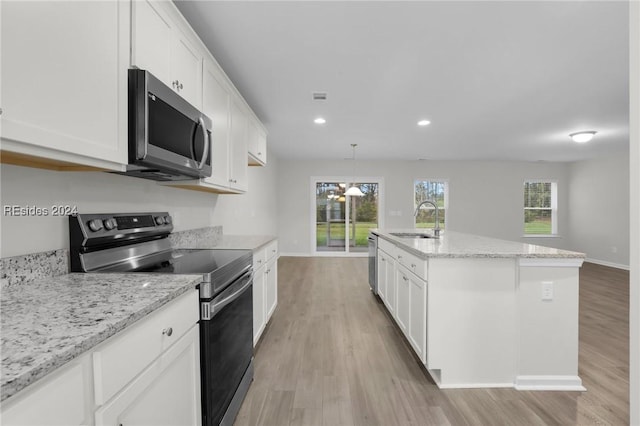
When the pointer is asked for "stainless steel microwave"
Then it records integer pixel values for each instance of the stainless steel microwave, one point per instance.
(169, 139)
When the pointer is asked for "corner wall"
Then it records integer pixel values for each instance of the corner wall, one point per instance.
(599, 216)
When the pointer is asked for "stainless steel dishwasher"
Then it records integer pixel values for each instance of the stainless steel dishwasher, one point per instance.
(373, 252)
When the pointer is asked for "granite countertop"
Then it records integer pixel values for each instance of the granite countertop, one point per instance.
(245, 242)
(50, 321)
(459, 245)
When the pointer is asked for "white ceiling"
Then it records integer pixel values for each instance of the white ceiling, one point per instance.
(498, 80)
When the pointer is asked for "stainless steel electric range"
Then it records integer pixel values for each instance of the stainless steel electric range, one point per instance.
(137, 242)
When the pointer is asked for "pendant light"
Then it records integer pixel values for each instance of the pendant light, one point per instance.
(354, 191)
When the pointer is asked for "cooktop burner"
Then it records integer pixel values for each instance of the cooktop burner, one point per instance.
(137, 242)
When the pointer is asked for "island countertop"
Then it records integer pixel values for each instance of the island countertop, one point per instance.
(453, 244)
(48, 322)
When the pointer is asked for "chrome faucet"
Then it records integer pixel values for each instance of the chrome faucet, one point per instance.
(436, 229)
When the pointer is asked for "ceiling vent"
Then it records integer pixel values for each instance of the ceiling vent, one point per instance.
(319, 96)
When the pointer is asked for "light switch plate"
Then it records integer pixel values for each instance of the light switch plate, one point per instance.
(547, 291)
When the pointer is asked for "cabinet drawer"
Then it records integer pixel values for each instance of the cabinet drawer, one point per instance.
(259, 258)
(271, 249)
(413, 263)
(118, 360)
(387, 247)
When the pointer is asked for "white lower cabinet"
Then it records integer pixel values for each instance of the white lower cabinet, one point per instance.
(148, 374)
(382, 263)
(61, 398)
(404, 293)
(403, 303)
(259, 304)
(166, 393)
(271, 285)
(418, 316)
(265, 287)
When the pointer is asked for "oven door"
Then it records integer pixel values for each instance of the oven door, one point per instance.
(226, 352)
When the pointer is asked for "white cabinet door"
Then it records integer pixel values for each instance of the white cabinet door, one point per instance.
(159, 46)
(238, 147)
(259, 303)
(403, 305)
(216, 106)
(390, 279)
(418, 316)
(186, 69)
(271, 286)
(381, 268)
(64, 83)
(60, 398)
(166, 393)
(151, 39)
(257, 144)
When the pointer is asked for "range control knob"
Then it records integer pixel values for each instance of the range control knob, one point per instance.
(159, 220)
(95, 225)
(167, 220)
(110, 224)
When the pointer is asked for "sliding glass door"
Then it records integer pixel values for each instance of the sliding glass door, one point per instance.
(342, 222)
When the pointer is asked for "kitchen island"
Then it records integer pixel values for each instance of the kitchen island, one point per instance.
(483, 312)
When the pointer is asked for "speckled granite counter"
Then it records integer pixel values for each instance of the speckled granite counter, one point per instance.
(230, 242)
(50, 321)
(458, 245)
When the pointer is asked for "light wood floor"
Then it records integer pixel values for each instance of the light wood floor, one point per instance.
(332, 356)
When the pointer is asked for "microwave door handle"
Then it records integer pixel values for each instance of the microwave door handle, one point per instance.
(205, 151)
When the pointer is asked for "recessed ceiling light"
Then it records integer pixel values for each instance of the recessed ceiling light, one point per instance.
(319, 120)
(424, 123)
(583, 136)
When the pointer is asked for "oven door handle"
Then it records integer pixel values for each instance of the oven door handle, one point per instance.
(211, 309)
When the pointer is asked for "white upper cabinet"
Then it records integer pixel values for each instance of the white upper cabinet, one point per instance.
(160, 46)
(238, 147)
(64, 84)
(257, 140)
(215, 101)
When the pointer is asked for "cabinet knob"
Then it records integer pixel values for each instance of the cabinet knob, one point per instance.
(168, 331)
(259, 260)
(399, 257)
(413, 265)
(405, 278)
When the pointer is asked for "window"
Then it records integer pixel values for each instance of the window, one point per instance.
(435, 190)
(540, 208)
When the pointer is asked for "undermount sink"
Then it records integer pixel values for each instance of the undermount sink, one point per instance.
(411, 235)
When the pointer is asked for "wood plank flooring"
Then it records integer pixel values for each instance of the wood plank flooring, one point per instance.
(332, 356)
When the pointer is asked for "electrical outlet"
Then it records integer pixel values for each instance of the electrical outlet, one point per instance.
(547, 290)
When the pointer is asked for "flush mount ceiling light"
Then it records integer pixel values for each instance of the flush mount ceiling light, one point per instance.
(354, 191)
(319, 120)
(423, 123)
(583, 136)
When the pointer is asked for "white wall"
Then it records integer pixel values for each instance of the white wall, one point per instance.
(251, 213)
(485, 198)
(599, 215)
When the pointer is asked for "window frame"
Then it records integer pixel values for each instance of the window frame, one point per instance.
(553, 209)
(446, 198)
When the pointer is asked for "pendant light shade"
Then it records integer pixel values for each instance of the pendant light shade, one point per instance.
(354, 191)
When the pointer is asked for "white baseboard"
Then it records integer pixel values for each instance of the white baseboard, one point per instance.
(474, 385)
(549, 383)
(609, 264)
(327, 254)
